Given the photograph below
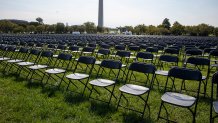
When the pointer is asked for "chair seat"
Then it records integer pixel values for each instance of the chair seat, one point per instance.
(25, 63)
(87, 52)
(77, 76)
(36, 67)
(133, 89)
(55, 56)
(102, 82)
(97, 62)
(55, 71)
(214, 65)
(132, 57)
(4, 59)
(162, 72)
(14, 61)
(123, 65)
(112, 55)
(204, 77)
(215, 106)
(75, 51)
(178, 99)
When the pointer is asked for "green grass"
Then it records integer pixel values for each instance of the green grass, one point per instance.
(21, 101)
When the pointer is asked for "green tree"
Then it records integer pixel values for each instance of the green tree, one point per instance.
(18, 29)
(152, 30)
(39, 20)
(191, 30)
(60, 28)
(30, 28)
(90, 27)
(166, 23)
(51, 28)
(140, 29)
(205, 29)
(177, 29)
(215, 31)
(7, 26)
(40, 29)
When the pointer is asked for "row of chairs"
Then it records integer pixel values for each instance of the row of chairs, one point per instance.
(23, 60)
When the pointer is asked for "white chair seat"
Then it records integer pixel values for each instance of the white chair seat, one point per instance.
(215, 106)
(55, 56)
(214, 65)
(123, 65)
(102, 82)
(75, 51)
(162, 72)
(97, 62)
(55, 71)
(204, 77)
(87, 52)
(36, 67)
(178, 99)
(4, 59)
(14, 61)
(25, 63)
(133, 89)
(77, 76)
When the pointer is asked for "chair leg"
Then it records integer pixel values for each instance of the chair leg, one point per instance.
(119, 100)
(158, 116)
(111, 95)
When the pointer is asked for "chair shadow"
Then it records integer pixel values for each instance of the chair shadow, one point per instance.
(135, 118)
(51, 90)
(101, 108)
(35, 84)
(73, 98)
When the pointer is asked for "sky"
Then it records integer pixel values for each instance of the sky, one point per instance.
(116, 12)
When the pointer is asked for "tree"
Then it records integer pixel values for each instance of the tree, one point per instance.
(215, 31)
(40, 28)
(191, 30)
(152, 30)
(30, 28)
(18, 29)
(140, 29)
(7, 26)
(162, 31)
(60, 28)
(51, 28)
(177, 29)
(204, 29)
(90, 27)
(166, 24)
(39, 20)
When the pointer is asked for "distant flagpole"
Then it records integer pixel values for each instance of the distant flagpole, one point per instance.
(101, 14)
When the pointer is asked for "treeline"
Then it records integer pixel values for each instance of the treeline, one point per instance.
(8, 26)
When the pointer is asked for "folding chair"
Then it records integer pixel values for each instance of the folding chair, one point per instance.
(180, 99)
(31, 60)
(81, 72)
(199, 64)
(165, 59)
(112, 70)
(87, 51)
(214, 103)
(60, 66)
(213, 56)
(145, 56)
(7, 55)
(20, 56)
(137, 90)
(44, 61)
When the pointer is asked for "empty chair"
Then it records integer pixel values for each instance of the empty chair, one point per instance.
(171, 51)
(112, 70)
(58, 70)
(44, 61)
(133, 89)
(200, 64)
(8, 54)
(74, 50)
(82, 72)
(145, 56)
(214, 102)
(214, 59)
(180, 99)
(87, 51)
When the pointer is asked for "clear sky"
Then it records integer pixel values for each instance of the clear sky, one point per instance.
(116, 12)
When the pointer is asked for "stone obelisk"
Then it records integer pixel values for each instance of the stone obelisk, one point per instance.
(101, 14)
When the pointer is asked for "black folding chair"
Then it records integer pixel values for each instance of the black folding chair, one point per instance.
(111, 69)
(137, 90)
(60, 67)
(180, 99)
(199, 64)
(44, 61)
(81, 72)
(214, 103)
(9, 53)
(145, 56)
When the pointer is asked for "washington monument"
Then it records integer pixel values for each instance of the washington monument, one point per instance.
(100, 14)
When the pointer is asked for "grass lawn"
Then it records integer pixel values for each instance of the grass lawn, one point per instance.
(21, 101)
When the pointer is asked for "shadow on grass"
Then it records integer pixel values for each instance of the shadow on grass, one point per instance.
(34, 84)
(51, 90)
(73, 98)
(101, 108)
(136, 118)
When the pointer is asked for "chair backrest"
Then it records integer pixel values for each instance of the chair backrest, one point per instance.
(185, 74)
(123, 53)
(120, 47)
(169, 58)
(145, 55)
(171, 51)
(152, 49)
(142, 67)
(214, 53)
(194, 52)
(104, 51)
(63, 56)
(23, 50)
(88, 49)
(198, 61)
(35, 52)
(134, 48)
(87, 60)
(112, 64)
(74, 48)
(214, 82)
(47, 54)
